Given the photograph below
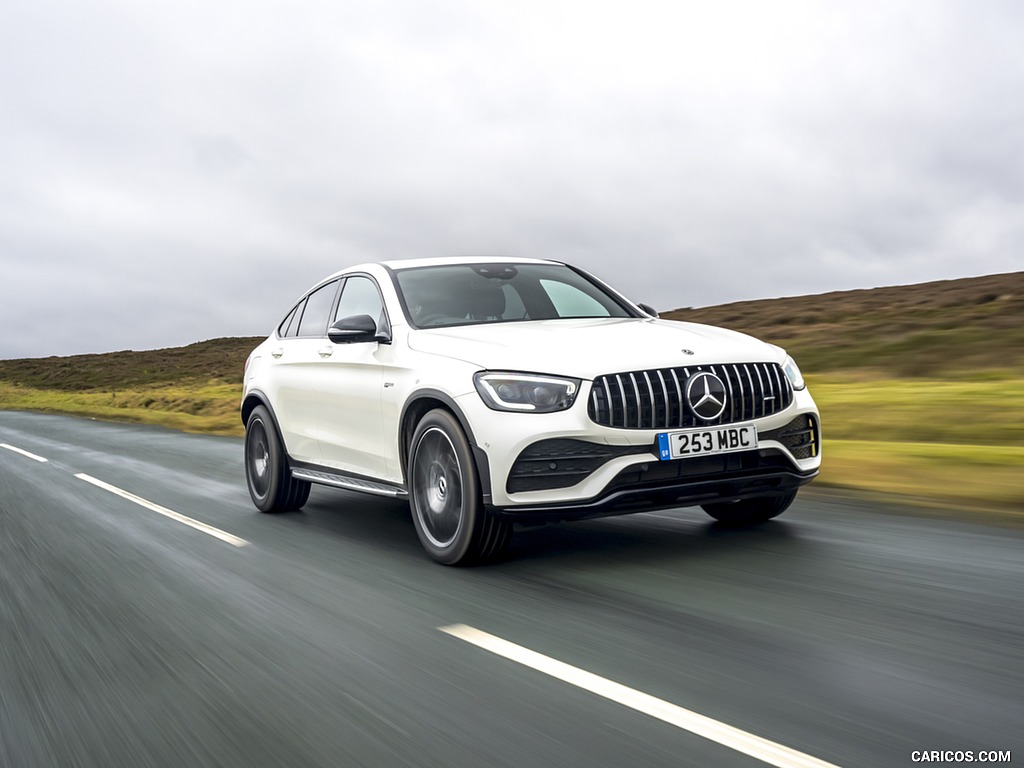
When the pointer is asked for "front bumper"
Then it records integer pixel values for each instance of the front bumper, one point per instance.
(620, 471)
(680, 483)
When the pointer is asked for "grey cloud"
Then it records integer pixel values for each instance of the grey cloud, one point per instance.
(179, 172)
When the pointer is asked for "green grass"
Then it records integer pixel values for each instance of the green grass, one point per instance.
(958, 443)
(196, 388)
(965, 477)
(954, 443)
(210, 408)
(986, 411)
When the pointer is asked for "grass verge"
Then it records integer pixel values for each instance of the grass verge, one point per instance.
(958, 476)
(204, 407)
(958, 444)
(978, 411)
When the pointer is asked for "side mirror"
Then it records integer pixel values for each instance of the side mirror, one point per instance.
(353, 330)
(648, 309)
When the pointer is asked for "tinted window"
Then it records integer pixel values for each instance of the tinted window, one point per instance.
(360, 297)
(514, 307)
(570, 301)
(318, 308)
(488, 293)
(282, 329)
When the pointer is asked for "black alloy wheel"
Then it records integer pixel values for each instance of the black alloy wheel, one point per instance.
(270, 481)
(444, 495)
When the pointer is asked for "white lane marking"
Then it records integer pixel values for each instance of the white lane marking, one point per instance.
(217, 533)
(741, 741)
(22, 452)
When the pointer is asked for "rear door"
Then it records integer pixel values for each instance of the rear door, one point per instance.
(295, 360)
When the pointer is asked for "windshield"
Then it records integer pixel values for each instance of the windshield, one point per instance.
(467, 294)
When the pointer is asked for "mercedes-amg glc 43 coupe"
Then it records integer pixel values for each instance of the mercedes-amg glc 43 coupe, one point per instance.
(491, 392)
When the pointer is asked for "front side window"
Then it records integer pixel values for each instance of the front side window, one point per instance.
(317, 310)
(467, 294)
(360, 297)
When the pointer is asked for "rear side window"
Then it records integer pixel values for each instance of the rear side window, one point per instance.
(317, 311)
(289, 322)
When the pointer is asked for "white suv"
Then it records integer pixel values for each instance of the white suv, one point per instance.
(492, 391)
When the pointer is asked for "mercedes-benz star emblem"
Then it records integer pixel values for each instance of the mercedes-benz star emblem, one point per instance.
(706, 394)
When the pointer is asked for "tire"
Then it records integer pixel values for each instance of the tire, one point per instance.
(750, 511)
(270, 482)
(444, 495)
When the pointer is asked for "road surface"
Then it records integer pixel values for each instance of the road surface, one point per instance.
(150, 616)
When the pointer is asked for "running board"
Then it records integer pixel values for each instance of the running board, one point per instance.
(350, 483)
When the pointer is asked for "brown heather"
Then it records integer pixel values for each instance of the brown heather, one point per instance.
(941, 329)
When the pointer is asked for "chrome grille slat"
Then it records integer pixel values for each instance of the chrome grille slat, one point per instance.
(753, 397)
(608, 399)
(771, 385)
(711, 369)
(654, 406)
(639, 409)
(732, 398)
(679, 395)
(743, 398)
(754, 391)
(760, 383)
(666, 400)
(724, 376)
(625, 407)
(779, 379)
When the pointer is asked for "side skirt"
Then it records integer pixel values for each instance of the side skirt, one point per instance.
(350, 483)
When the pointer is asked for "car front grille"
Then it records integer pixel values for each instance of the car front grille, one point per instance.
(656, 399)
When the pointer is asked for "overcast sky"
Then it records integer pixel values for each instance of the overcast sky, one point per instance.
(182, 170)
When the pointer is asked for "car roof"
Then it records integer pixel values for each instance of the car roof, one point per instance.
(454, 260)
(437, 261)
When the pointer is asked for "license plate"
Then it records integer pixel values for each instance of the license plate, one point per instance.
(704, 442)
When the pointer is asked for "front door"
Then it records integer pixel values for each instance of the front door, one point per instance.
(350, 385)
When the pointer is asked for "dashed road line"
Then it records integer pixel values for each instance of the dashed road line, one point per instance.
(701, 725)
(217, 533)
(22, 452)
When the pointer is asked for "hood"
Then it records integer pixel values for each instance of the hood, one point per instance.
(589, 347)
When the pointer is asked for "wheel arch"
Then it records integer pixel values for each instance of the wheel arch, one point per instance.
(253, 398)
(416, 407)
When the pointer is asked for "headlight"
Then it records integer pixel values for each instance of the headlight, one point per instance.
(526, 392)
(793, 373)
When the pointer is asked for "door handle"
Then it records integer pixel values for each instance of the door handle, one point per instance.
(277, 353)
(326, 351)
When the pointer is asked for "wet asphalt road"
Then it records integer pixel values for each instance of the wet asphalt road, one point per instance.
(130, 639)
